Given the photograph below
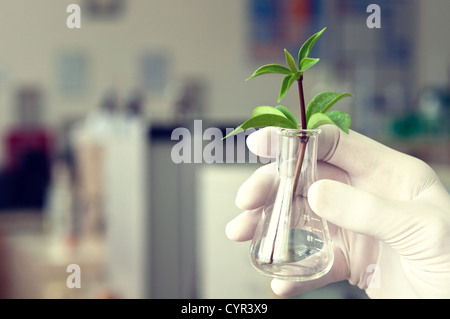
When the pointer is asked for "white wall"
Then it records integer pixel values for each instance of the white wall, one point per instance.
(433, 45)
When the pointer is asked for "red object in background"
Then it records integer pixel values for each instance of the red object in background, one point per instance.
(26, 172)
(20, 141)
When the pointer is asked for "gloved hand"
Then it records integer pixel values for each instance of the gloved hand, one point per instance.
(388, 214)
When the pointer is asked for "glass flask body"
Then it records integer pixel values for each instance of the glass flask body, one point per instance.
(291, 242)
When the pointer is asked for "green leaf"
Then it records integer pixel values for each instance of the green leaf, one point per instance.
(264, 116)
(286, 84)
(307, 46)
(322, 102)
(338, 118)
(290, 61)
(341, 119)
(318, 119)
(270, 68)
(306, 63)
(288, 114)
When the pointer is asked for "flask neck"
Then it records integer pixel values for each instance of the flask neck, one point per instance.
(292, 143)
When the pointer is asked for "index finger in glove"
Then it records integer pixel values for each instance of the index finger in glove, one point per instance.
(251, 196)
(254, 191)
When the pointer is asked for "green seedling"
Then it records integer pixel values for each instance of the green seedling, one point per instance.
(317, 112)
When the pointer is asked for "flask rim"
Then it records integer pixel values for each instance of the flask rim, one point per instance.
(298, 132)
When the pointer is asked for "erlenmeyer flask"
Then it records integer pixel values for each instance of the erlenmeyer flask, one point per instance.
(291, 242)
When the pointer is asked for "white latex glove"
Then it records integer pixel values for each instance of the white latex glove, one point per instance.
(388, 214)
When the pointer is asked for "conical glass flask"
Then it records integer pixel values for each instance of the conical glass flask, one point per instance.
(291, 242)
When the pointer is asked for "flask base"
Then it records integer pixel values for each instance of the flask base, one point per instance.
(304, 259)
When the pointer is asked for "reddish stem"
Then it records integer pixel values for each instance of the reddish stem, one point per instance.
(301, 154)
(302, 102)
(303, 137)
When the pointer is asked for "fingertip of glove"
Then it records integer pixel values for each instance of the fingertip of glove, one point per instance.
(242, 201)
(242, 227)
(263, 142)
(277, 287)
(313, 194)
(229, 231)
(252, 142)
(232, 231)
(322, 193)
(285, 288)
(253, 192)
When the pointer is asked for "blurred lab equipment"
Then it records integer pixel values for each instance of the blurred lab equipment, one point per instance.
(130, 199)
(87, 140)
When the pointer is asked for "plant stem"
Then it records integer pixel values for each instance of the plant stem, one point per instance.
(301, 156)
(303, 137)
(302, 102)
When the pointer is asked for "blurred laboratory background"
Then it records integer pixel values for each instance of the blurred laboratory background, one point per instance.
(87, 115)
